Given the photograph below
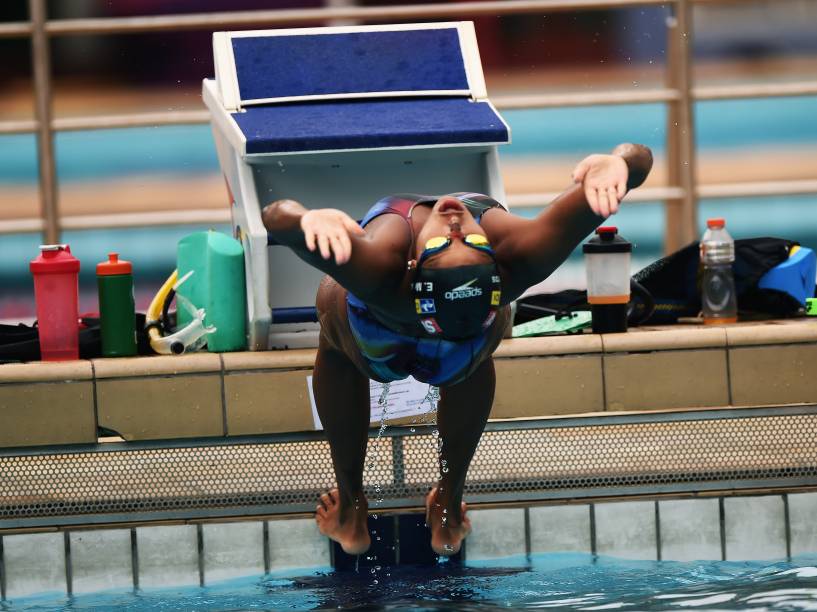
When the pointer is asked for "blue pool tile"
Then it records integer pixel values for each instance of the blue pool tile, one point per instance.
(168, 556)
(560, 528)
(101, 560)
(34, 563)
(626, 530)
(297, 543)
(755, 528)
(232, 550)
(690, 529)
(496, 533)
(803, 523)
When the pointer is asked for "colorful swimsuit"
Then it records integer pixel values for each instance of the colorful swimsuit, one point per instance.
(394, 356)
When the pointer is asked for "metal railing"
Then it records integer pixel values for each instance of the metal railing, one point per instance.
(679, 94)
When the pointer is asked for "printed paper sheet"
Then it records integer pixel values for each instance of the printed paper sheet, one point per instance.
(405, 399)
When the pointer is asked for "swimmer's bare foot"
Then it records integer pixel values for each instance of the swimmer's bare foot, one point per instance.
(350, 531)
(447, 532)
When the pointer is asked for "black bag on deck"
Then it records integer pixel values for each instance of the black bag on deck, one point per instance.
(671, 287)
(22, 342)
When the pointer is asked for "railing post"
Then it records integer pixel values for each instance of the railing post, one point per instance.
(682, 214)
(41, 62)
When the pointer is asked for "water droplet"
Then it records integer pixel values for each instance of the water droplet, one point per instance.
(375, 581)
(448, 548)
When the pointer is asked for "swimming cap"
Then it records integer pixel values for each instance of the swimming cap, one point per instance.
(458, 302)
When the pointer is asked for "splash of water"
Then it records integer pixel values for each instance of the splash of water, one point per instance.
(383, 403)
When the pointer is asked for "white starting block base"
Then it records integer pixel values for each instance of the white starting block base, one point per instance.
(438, 134)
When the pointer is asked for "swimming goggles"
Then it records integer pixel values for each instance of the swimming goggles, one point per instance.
(438, 243)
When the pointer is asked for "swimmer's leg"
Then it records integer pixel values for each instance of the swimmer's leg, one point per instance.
(461, 417)
(342, 399)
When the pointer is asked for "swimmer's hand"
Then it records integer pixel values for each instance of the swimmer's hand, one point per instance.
(604, 179)
(330, 230)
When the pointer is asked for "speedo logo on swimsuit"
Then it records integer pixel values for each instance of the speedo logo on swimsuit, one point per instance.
(464, 291)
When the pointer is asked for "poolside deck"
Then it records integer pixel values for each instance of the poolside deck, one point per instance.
(687, 410)
(649, 368)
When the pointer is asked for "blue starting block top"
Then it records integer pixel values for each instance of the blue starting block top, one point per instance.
(355, 124)
(388, 62)
(362, 87)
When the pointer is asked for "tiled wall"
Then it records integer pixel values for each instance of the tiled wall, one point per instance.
(733, 528)
(85, 561)
(229, 394)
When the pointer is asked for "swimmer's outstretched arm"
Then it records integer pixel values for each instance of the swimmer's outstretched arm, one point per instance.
(329, 239)
(529, 250)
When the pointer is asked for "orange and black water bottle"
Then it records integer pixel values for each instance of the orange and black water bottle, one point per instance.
(117, 311)
(607, 260)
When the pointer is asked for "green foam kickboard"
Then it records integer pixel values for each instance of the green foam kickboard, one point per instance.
(547, 326)
(217, 285)
(811, 307)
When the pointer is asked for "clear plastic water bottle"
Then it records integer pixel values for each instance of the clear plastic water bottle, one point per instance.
(718, 299)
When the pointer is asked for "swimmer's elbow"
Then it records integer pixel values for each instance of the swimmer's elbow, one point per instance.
(279, 214)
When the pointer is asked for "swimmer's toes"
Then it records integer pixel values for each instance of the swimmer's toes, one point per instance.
(328, 500)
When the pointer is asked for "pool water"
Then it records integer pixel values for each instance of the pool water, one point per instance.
(564, 580)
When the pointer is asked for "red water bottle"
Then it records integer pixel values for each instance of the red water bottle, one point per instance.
(56, 274)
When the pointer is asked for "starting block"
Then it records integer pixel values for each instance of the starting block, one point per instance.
(341, 117)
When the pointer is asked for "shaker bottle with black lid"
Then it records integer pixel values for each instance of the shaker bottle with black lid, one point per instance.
(607, 261)
(117, 311)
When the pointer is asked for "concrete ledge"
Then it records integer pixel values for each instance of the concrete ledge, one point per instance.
(537, 386)
(549, 345)
(47, 413)
(773, 332)
(666, 379)
(181, 406)
(212, 395)
(158, 365)
(46, 371)
(268, 360)
(773, 374)
(641, 341)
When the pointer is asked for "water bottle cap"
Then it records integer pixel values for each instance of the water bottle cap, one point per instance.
(715, 223)
(54, 259)
(113, 266)
(607, 240)
(47, 248)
